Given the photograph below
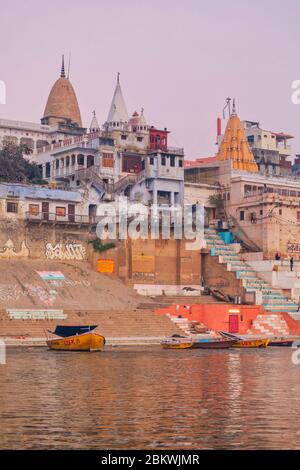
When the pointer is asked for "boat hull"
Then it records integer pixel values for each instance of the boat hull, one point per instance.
(251, 343)
(176, 345)
(219, 344)
(83, 342)
(284, 343)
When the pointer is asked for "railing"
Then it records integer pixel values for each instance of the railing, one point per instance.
(128, 180)
(110, 188)
(274, 194)
(91, 174)
(69, 218)
(176, 150)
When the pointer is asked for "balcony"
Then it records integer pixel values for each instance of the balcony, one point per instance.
(53, 218)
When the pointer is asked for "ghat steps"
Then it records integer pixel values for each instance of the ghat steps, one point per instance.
(112, 323)
(273, 300)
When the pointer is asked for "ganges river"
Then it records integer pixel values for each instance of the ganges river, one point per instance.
(148, 398)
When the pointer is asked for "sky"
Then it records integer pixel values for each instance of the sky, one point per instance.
(179, 60)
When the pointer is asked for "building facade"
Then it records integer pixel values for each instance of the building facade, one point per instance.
(262, 210)
(126, 157)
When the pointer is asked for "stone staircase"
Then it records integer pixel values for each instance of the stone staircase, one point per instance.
(187, 326)
(269, 325)
(273, 300)
(114, 323)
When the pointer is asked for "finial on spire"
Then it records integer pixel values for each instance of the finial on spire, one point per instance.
(142, 110)
(228, 100)
(62, 73)
(118, 77)
(233, 106)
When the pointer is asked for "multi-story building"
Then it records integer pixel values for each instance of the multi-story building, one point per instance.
(270, 149)
(125, 157)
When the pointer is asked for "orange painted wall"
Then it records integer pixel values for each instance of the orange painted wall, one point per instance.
(216, 316)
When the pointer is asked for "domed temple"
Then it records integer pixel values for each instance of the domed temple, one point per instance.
(62, 105)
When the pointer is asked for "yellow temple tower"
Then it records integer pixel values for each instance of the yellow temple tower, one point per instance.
(235, 146)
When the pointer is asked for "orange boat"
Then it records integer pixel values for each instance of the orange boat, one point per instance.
(89, 341)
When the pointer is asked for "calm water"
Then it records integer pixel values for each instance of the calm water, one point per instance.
(151, 399)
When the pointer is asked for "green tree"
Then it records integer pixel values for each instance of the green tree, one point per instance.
(15, 167)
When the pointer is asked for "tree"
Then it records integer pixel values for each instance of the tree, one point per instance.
(14, 168)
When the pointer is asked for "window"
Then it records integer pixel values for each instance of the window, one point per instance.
(123, 137)
(151, 160)
(280, 211)
(139, 139)
(172, 160)
(34, 209)
(242, 215)
(60, 211)
(12, 207)
(163, 161)
(108, 160)
(180, 163)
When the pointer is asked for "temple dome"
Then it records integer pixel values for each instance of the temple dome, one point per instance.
(62, 105)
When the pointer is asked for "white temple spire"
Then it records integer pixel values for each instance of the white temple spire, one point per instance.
(118, 113)
(94, 127)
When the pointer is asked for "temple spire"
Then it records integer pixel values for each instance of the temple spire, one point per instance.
(235, 146)
(62, 73)
(118, 113)
(94, 127)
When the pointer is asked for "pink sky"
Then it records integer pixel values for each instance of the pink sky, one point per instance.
(177, 59)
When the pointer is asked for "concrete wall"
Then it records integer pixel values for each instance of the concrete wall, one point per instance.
(20, 240)
(153, 262)
(216, 316)
(216, 276)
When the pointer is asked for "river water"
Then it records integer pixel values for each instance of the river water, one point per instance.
(150, 399)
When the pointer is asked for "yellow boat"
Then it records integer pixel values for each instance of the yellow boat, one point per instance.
(251, 343)
(240, 342)
(85, 342)
(173, 343)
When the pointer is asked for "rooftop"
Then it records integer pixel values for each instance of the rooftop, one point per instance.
(24, 191)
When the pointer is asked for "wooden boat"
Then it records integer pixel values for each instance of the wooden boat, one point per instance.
(283, 342)
(70, 330)
(176, 343)
(89, 341)
(212, 343)
(241, 342)
(251, 343)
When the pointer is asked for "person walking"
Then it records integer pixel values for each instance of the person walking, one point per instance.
(292, 263)
(298, 305)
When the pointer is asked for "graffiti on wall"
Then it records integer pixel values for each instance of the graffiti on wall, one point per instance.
(8, 251)
(65, 251)
(14, 292)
